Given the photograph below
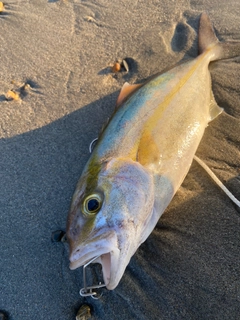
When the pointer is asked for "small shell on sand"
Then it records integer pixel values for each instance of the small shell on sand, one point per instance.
(1, 6)
(26, 86)
(12, 95)
(57, 235)
(116, 67)
(125, 65)
(120, 65)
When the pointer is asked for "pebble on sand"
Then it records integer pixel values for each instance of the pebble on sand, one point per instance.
(84, 313)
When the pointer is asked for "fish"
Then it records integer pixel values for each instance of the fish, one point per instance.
(141, 159)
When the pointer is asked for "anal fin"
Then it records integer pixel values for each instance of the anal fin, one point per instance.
(214, 109)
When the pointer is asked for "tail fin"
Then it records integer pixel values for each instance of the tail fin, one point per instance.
(208, 40)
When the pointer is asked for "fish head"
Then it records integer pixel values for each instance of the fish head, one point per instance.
(109, 216)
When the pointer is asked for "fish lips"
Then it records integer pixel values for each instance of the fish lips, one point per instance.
(108, 256)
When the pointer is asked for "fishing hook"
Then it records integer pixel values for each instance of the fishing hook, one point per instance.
(88, 291)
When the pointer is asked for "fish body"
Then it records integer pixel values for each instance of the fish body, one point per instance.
(141, 159)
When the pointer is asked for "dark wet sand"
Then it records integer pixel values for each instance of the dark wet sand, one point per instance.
(189, 267)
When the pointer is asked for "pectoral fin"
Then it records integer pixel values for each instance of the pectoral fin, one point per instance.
(148, 151)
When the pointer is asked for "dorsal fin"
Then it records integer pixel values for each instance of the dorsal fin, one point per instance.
(127, 89)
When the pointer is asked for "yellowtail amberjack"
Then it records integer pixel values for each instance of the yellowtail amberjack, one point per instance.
(141, 159)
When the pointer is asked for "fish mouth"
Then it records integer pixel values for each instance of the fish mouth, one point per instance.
(107, 256)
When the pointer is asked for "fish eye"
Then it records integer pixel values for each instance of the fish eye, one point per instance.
(92, 204)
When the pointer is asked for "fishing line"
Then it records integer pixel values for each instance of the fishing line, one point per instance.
(91, 145)
(217, 181)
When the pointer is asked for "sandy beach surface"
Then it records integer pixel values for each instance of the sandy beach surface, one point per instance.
(55, 58)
